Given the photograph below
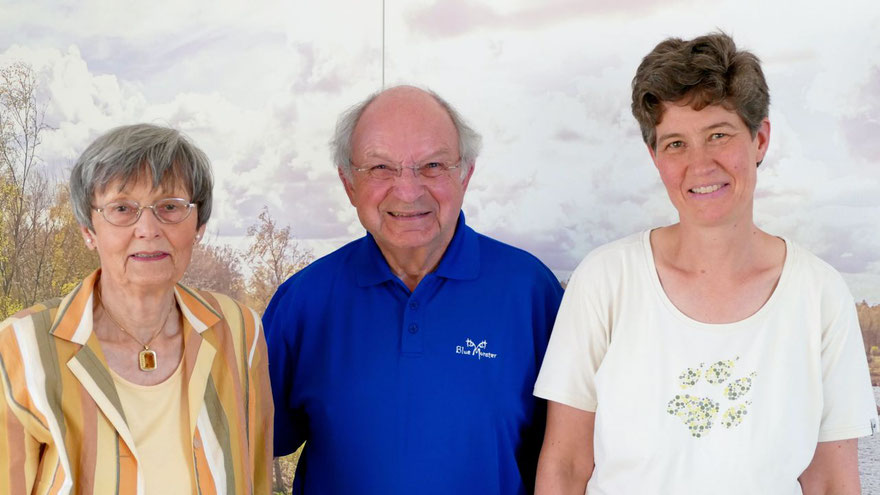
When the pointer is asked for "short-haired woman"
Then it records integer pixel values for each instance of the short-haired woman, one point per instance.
(132, 383)
(708, 356)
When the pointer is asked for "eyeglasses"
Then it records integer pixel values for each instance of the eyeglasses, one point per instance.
(125, 213)
(430, 170)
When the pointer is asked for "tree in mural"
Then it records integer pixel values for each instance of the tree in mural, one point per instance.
(274, 255)
(216, 268)
(41, 250)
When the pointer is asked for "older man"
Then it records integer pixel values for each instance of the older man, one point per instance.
(406, 358)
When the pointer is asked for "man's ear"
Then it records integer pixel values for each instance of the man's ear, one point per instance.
(346, 183)
(467, 178)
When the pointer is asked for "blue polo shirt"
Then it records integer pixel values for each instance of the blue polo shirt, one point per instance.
(426, 391)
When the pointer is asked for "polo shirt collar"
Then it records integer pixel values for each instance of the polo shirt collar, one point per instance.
(461, 260)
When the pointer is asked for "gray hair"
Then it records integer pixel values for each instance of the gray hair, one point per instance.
(126, 152)
(469, 141)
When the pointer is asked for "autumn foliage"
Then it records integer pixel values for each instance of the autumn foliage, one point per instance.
(41, 251)
(869, 320)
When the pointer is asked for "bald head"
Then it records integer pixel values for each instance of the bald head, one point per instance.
(405, 97)
(407, 103)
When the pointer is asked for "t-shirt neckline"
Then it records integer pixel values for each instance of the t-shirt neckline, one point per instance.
(757, 315)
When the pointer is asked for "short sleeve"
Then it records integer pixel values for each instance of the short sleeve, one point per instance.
(579, 340)
(849, 410)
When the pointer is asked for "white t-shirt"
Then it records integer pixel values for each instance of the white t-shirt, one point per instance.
(684, 407)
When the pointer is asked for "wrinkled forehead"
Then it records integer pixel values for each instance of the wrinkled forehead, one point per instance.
(404, 126)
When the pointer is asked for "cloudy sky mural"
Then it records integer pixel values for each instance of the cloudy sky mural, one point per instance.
(259, 87)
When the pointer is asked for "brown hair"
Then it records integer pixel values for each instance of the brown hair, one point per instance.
(707, 70)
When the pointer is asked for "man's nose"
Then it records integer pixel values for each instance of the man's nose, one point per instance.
(409, 185)
(414, 171)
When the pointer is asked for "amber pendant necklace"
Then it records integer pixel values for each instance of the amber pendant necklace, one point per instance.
(147, 358)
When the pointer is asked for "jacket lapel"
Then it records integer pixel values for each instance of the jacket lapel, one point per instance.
(198, 358)
(74, 323)
(198, 361)
(89, 367)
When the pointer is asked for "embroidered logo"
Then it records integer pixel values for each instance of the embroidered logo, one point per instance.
(699, 413)
(475, 350)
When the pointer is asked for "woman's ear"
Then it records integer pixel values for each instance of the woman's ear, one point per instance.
(88, 237)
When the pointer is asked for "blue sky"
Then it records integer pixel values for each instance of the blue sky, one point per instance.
(259, 87)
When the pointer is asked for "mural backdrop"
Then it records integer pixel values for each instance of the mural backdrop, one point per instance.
(259, 87)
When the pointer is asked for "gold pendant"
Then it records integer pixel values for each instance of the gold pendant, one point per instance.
(147, 360)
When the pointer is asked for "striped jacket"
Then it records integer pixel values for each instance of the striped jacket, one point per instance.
(62, 426)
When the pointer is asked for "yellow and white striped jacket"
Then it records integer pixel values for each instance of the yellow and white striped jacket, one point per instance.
(62, 426)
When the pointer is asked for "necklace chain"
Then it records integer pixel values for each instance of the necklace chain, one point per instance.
(147, 345)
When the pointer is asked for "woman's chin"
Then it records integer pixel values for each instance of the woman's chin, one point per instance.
(151, 277)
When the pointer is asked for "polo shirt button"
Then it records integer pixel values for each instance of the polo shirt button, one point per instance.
(414, 305)
(197, 443)
(413, 328)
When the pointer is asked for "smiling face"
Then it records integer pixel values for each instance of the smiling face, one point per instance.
(708, 160)
(406, 127)
(148, 255)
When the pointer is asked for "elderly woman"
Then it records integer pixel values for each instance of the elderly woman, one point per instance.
(133, 383)
(706, 356)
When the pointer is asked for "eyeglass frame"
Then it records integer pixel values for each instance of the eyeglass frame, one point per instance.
(140, 209)
(416, 170)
